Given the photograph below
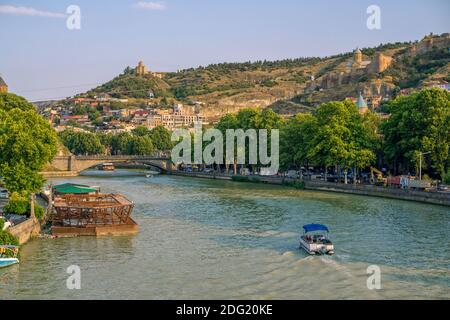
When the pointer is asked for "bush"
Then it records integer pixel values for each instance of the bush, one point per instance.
(446, 177)
(39, 212)
(18, 204)
(2, 224)
(7, 238)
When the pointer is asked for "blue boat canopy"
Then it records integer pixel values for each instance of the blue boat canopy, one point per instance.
(315, 227)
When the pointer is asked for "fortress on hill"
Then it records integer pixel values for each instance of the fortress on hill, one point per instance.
(3, 86)
(141, 70)
(355, 68)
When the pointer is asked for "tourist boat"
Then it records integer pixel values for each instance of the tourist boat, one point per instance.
(316, 243)
(107, 166)
(8, 255)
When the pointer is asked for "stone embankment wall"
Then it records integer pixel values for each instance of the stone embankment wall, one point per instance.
(26, 230)
(366, 190)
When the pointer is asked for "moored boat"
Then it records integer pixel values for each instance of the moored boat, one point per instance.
(8, 255)
(314, 242)
(107, 166)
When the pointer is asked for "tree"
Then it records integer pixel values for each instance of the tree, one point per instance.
(161, 138)
(249, 118)
(295, 141)
(119, 143)
(9, 101)
(82, 143)
(18, 204)
(419, 123)
(141, 131)
(140, 145)
(336, 135)
(229, 121)
(329, 145)
(27, 143)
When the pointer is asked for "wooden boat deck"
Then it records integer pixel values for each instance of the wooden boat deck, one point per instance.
(93, 214)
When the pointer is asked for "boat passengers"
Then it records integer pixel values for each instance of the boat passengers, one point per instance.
(315, 238)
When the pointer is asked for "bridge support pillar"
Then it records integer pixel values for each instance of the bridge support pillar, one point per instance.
(71, 162)
(169, 166)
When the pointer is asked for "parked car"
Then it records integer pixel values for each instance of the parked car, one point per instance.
(4, 194)
(443, 187)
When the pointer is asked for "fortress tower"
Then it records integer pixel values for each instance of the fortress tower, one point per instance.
(3, 86)
(141, 69)
(380, 63)
(357, 58)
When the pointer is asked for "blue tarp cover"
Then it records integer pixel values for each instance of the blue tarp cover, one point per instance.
(315, 227)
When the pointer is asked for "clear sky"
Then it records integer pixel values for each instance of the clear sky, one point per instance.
(38, 51)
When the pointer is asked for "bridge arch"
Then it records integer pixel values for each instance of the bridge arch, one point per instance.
(77, 164)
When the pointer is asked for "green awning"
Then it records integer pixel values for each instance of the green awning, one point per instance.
(68, 188)
(64, 185)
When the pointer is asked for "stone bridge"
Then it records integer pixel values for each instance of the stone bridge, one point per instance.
(76, 164)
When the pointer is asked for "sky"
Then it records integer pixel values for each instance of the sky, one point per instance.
(42, 59)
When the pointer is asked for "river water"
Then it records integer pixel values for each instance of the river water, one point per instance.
(208, 239)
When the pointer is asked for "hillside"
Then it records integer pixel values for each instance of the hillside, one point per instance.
(294, 85)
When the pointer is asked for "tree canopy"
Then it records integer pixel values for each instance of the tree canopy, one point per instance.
(27, 143)
(419, 123)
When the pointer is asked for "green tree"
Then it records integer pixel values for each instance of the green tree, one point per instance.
(229, 121)
(295, 141)
(18, 204)
(419, 123)
(140, 145)
(141, 131)
(82, 143)
(119, 143)
(161, 138)
(27, 143)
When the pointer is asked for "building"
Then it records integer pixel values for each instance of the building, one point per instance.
(180, 117)
(361, 104)
(141, 70)
(380, 63)
(442, 84)
(3, 86)
(173, 121)
(358, 62)
(357, 58)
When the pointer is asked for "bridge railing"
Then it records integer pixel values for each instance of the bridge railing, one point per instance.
(157, 155)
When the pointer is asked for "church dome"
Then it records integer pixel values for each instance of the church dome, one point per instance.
(361, 103)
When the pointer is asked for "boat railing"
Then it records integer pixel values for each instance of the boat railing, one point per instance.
(9, 251)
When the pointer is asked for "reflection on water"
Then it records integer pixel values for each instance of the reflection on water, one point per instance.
(207, 239)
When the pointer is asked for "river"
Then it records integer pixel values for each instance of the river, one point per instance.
(208, 239)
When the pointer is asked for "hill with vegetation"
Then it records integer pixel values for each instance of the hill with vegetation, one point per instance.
(291, 85)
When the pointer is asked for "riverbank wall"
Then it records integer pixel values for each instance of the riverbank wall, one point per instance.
(375, 191)
(439, 198)
(25, 230)
(59, 174)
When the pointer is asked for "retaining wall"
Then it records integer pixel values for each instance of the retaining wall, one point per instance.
(25, 230)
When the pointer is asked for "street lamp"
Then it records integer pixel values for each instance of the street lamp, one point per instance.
(420, 163)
